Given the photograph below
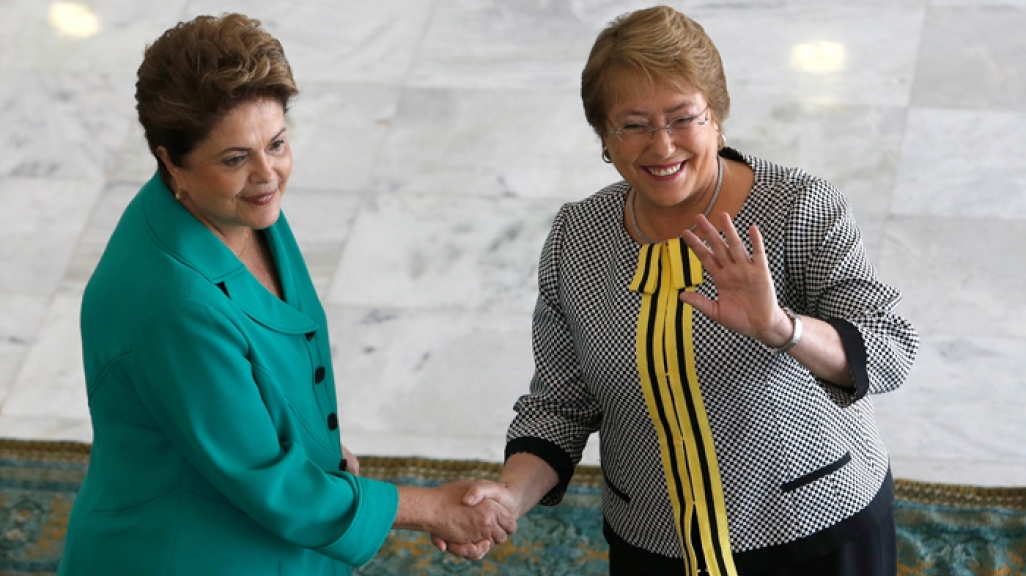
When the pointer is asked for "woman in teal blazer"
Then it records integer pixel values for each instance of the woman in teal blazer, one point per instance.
(216, 447)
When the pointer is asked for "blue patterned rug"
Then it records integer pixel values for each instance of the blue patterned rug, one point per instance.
(942, 530)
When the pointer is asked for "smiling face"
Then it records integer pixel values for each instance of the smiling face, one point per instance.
(234, 179)
(669, 172)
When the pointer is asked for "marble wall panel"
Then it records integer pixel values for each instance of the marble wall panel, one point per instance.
(327, 40)
(522, 44)
(100, 36)
(825, 53)
(492, 143)
(963, 402)
(959, 276)
(62, 124)
(972, 57)
(963, 163)
(451, 252)
(336, 133)
(39, 226)
(51, 382)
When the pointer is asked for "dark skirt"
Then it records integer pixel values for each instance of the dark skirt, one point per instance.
(863, 545)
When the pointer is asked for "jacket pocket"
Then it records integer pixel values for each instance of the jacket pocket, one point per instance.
(817, 474)
(612, 487)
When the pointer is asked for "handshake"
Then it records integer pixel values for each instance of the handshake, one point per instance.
(464, 518)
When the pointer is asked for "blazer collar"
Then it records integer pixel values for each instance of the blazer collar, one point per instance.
(187, 240)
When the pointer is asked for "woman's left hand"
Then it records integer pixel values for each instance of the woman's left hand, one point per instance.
(352, 464)
(746, 301)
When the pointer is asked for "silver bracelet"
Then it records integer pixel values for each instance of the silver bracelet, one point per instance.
(796, 332)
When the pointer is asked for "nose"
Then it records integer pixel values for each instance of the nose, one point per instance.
(662, 142)
(263, 169)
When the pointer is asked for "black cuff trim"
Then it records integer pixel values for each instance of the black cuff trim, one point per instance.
(855, 350)
(548, 451)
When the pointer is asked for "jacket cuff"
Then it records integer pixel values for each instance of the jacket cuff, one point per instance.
(855, 350)
(375, 504)
(553, 455)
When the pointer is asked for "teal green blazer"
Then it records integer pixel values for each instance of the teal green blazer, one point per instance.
(216, 447)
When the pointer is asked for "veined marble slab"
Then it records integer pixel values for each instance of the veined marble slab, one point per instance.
(51, 382)
(973, 57)
(959, 276)
(327, 41)
(492, 143)
(62, 124)
(444, 252)
(963, 164)
(40, 225)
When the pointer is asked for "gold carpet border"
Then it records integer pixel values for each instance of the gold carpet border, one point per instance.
(386, 468)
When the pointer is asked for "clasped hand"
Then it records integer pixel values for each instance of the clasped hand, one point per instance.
(486, 500)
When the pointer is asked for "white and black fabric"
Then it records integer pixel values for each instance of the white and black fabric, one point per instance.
(800, 459)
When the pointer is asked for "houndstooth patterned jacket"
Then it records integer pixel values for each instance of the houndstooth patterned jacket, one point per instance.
(796, 454)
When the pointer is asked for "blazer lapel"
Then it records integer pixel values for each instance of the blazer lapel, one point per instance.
(187, 240)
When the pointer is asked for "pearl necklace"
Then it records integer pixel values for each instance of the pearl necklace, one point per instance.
(708, 209)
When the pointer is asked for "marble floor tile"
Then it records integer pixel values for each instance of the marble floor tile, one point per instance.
(321, 221)
(433, 251)
(433, 373)
(822, 53)
(40, 224)
(963, 402)
(433, 383)
(328, 40)
(20, 318)
(963, 163)
(133, 162)
(959, 276)
(46, 428)
(62, 124)
(51, 382)
(336, 133)
(520, 44)
(99, 36)
(855, 147)
(492, 143)
(972, 57)
(103, 218)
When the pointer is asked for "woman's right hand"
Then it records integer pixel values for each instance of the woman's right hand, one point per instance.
(480, 493)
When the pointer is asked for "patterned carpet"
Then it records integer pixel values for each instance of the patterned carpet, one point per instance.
(942, 530)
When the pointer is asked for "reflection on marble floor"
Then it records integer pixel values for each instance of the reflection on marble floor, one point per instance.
(435, 140)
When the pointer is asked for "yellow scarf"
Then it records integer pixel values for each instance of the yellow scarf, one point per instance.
(666, 364)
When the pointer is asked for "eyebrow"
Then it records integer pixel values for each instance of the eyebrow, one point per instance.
(245, 149)
(676, 108)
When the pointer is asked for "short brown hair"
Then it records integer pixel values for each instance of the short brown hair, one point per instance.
(197, 72)
(663, 44)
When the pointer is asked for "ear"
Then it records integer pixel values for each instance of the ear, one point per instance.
(166, 159)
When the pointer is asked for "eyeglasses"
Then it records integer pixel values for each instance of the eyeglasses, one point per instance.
(638, 133)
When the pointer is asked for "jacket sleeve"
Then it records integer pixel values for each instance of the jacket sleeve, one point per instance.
(192, 372)
(554, 421)
(835, 281)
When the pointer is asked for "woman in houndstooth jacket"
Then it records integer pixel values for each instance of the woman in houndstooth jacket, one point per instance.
(715, 318)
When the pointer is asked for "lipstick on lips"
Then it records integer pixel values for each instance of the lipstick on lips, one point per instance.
(666, 171)
(260, 199)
